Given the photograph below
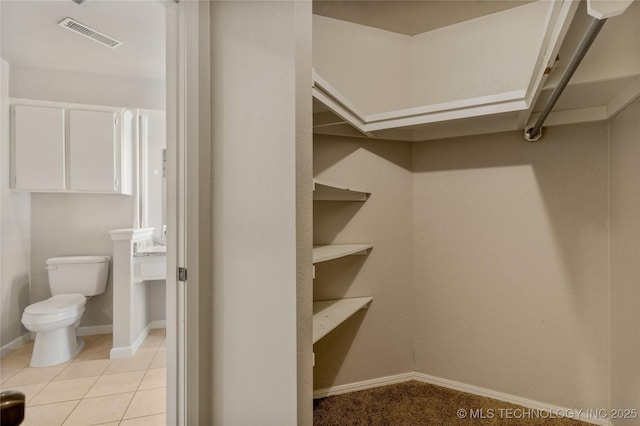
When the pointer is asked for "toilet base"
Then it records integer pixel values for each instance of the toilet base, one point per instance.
(55, 347)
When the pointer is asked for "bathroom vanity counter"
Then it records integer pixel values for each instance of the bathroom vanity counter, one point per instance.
(151, 251)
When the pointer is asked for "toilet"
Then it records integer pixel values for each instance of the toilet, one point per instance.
(72, 279)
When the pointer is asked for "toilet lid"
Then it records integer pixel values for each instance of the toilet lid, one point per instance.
(56, 304)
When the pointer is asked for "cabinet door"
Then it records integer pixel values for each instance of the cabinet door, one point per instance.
(38, 148)
(93, 151)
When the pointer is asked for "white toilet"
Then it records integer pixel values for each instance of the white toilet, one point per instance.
(71, 279)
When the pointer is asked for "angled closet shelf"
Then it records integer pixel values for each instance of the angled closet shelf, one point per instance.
(323, 253)
(325, 191)
(329, 314)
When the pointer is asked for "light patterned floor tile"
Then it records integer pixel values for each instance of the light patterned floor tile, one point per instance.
(116, 383)
(154, 378)
(15, 360)
(152, 341)
(81, 369)
(85, 385)
(135, 363)
(147, 402)
(91, 354)
(64, 390)
(29, 391)
(156, 420)
(159, 360)
(49, 415)
(103, 409)
(98, 341)
(32, 376)
(7, 373)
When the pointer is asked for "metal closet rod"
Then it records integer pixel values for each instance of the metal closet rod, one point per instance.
(534, 133)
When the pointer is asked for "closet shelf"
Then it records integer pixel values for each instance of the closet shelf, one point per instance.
(335, 251)
(329, 314)
(325, 191)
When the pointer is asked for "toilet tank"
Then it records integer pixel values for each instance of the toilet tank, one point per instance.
(86, 275)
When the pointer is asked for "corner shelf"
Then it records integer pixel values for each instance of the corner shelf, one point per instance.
(329, 314)
(334, 251)
(325, 191)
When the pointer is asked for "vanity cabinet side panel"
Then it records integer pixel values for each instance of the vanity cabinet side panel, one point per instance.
(38, 160)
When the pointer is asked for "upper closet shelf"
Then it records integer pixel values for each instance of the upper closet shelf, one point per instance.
(328, 314)
(335, 251)
(325, 191)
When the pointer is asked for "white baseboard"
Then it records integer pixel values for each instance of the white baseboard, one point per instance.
(129, 351)
(158, 324)
(585, 416)
(15, 344)
(93, 330)
(367, 384)
(512, 399)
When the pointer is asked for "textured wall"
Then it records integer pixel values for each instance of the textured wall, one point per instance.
(375, 342)
(255, 82)
(511, 263)
(625, 258)
(15, 231)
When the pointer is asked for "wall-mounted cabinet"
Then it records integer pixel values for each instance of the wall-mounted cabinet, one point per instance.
(56, 148)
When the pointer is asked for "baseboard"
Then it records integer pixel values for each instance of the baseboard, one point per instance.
(93, 330)
(129, 351)
(157, 324)
(512, 399)
(585, 415)
(367, 384)
(15, 344)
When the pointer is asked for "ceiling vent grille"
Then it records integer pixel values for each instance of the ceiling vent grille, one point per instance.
(83, 30)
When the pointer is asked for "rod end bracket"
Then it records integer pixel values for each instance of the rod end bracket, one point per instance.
(528, 137)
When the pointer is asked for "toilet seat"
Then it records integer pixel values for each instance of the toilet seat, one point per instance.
(56, 308)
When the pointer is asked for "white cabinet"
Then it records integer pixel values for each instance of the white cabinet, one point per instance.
(93, 151)
(62, 149)
(38, 160)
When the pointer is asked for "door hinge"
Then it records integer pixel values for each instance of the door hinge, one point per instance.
(182, 274)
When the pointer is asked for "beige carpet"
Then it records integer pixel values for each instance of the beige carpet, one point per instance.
(414, 404)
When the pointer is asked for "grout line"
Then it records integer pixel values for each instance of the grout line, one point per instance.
(70, 412)
(78, 401)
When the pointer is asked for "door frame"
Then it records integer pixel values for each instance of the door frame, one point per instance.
(188, 207)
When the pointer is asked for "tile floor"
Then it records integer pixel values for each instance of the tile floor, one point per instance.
(91, 389)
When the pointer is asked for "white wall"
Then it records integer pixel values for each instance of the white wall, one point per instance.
(625, 254)
(15, 230)
(381, 71)
(259, 73)
(511, 263)
(86, 88)
(75, 224)
(485, 56)
(371, 67)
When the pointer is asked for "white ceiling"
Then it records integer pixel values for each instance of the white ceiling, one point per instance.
(31, 36)
(410, 17)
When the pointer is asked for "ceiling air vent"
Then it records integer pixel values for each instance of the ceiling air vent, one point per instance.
(83, 30)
